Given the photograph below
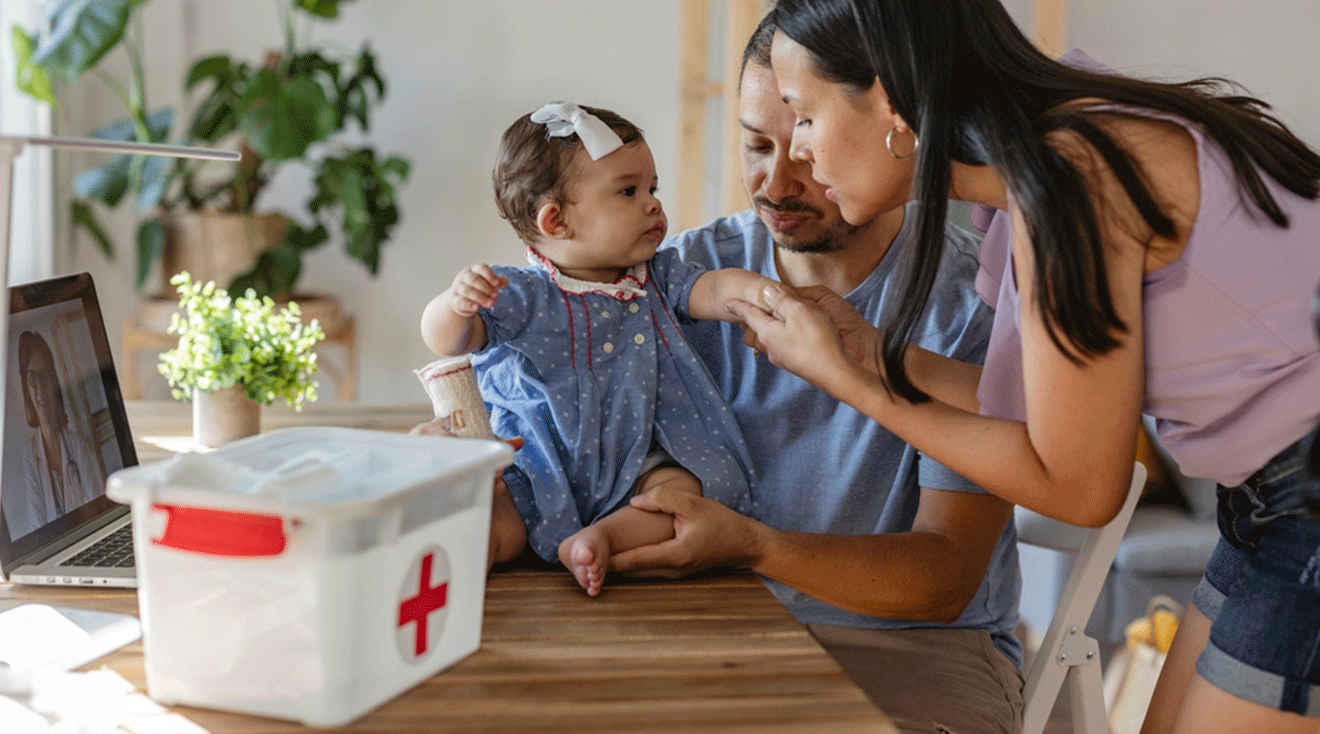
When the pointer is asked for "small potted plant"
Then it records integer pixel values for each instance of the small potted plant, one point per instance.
(235, 355)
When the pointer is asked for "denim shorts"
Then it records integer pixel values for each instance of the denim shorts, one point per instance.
(1261, 589)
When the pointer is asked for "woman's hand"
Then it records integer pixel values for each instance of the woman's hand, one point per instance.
(801, 336)
(860, 339)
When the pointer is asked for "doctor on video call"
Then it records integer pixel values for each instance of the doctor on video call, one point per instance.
(57, 458)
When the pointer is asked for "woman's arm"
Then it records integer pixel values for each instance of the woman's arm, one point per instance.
(944, 378)
(1070, 459)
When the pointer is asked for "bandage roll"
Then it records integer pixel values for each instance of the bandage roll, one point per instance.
(452, 385)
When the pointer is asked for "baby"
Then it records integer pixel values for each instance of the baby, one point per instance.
(580, 353)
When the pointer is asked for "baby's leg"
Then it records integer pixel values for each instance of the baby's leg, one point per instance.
(587, 552)
(508, 534)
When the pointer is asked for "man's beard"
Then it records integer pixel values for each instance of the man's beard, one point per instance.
(830, 241)
(825, 244)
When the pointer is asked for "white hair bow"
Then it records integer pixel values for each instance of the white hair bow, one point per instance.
(562, 119)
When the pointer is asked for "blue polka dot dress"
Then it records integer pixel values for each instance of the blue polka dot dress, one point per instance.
(593, 375)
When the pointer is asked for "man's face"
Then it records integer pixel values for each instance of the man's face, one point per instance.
(792, 205)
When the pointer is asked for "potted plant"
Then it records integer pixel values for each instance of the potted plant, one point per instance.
(236, 354)
(290, 107)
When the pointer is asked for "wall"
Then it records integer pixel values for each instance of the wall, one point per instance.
(461, 70)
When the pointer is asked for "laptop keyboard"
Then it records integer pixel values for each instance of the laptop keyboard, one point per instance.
(113, 551)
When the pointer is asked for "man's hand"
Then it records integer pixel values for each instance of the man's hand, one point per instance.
(706, 535)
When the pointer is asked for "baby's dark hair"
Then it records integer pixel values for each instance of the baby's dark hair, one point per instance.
(532, 167)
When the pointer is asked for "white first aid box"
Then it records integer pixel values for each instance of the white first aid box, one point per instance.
(310, 574)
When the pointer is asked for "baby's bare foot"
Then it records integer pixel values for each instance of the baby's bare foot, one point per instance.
(584, 554)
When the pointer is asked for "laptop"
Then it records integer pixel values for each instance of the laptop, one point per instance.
(65, 432)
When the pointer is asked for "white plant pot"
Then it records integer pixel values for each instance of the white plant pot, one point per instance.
(224, 415)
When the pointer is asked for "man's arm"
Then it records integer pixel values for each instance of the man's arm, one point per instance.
(929, 573)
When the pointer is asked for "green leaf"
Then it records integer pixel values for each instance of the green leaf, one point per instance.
(84, 218)
(151, 243)
(282, 119)
(277, 269)
(82, 31)
(363, 190)
(158, 126)
(397, 166)
(320, 8)
(355, 99)
(28, 76)
(298, 238)
(155, 179)
(106, 183)
(216, 115)
(211, 67)
(109, 182)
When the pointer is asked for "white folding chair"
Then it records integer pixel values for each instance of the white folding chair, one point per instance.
(1066, 651)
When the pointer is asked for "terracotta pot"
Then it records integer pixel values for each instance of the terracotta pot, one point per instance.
(216, 246)
(224, 415)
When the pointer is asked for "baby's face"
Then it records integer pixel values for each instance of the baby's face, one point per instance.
(615, 217)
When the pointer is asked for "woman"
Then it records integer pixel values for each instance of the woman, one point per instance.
(58, 459)
(1162, 258)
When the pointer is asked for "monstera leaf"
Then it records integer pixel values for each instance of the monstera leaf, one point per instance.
(282, 117)
(82, 31)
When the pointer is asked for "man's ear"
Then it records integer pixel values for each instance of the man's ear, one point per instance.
(550, 220)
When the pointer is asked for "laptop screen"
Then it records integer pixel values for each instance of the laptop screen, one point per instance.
(65, 425)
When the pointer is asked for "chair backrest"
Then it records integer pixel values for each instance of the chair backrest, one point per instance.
(1067, 652)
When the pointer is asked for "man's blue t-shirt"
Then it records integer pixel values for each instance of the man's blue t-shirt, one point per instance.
(824, 467)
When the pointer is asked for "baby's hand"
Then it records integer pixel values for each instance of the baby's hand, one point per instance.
(475, 288)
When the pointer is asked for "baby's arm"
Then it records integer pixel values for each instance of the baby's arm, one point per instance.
(450, 326)
(715, 288)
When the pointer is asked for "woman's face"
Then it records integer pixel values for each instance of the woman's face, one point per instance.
(38, 377)
(842, 135)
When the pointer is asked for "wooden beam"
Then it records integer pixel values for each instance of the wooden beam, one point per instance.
(695, 88)
(741, 19)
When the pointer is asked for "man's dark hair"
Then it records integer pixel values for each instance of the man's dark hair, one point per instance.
(533, 167)
(757, 49)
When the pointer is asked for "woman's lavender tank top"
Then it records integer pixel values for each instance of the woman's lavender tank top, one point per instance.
(1232, 356)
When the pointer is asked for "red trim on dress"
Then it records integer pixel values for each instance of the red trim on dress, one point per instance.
(661, 334)
(587, 311)
(627, 276)
(572, 333)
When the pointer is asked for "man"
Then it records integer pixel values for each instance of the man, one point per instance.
(903, 570)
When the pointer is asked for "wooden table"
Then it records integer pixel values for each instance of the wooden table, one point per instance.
(713, 654)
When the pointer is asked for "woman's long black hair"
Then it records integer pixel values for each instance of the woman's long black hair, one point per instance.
(976, 91)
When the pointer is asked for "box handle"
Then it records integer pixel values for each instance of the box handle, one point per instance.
(221, 533)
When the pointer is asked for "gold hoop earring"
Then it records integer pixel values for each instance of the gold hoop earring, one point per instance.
(889, 143)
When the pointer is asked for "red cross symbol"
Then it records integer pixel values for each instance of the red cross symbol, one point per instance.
(418, 608)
